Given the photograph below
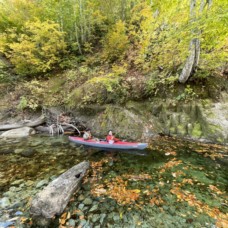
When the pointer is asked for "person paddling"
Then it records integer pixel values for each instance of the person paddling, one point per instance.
(110, 138)
(87, 134)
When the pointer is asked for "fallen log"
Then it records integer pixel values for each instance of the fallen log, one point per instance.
(34, 123)
(53, 199)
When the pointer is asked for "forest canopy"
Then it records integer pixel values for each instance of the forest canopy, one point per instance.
(166, 39)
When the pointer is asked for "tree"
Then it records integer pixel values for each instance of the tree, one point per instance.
(116, 42)
(194, 48)
(37, 49)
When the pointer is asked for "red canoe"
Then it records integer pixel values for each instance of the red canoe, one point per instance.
(103, 144)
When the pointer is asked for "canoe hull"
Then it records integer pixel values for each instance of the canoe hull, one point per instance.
(103, 144)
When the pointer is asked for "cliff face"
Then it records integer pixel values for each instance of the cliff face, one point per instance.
(202, 120)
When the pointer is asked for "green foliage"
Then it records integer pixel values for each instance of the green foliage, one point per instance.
(115, 42)
(187, 95)
(37, 49)
(97, 90)
(116, 49)
(33, 95)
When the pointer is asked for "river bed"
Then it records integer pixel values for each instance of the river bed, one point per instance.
(174, 183)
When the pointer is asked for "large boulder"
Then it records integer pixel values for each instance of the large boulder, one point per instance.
(18, 133)
(126, 122)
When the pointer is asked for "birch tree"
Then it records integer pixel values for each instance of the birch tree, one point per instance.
(194, 48)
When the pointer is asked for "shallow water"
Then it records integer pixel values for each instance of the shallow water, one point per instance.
(174, 183)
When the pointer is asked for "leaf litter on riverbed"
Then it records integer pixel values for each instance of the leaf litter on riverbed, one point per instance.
(174, 173)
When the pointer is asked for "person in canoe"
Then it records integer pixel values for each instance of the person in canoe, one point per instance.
(110, 138)
(87, 134)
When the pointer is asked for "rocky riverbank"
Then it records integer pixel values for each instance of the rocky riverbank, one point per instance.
(202, 120)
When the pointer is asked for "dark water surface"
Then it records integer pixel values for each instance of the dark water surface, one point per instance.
(174, 183)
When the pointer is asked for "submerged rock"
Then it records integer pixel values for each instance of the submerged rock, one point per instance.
(93, 208)
(41, 183)
(88, 201)
(28, 153)
(4, 202)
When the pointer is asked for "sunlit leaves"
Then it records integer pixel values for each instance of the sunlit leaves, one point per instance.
(37, 49)
(183, 195)
(170, 164)
(116, 42)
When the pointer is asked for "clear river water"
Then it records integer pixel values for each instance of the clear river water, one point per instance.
(173, 183)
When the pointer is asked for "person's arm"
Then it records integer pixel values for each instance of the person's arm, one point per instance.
(116, 139)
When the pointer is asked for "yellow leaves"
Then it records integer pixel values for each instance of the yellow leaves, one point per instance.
(116, 42)
(98, 190)
(65, 216)
(157, 200)
(117, 189)
(23, 219)
(143, 176)
(170, 164)
(174, 153)
(215, 189)
(222, 219)
(136, 190)
(178, 173)
(187, 181)
(37, 48)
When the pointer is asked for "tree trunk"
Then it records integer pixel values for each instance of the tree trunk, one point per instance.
(194, 51)
(53, 199)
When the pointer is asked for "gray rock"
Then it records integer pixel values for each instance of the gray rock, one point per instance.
(12, 189)
(18, 151)
(16, 205)
(86, 187)
(93, 208)
(6, 224)
(82, 222)
(116, 218)
(22, 185)
(81, 205)
(18, 213)
(72, 223)
(36, 143)
(88, 201)
(81, 197)
(8, 194)
(41, 183)
(4, 202)
(102, 218)
(95, 218)
(18, 133)
(29, 183)
(28, 153)
(17, 182)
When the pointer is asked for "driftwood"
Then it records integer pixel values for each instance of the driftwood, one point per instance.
(54, 129)
(53, 199)
(34, 123)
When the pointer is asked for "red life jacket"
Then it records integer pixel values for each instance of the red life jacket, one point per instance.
(111, 137)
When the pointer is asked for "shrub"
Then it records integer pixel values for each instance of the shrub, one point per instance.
(115, 42)
(37, 49)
